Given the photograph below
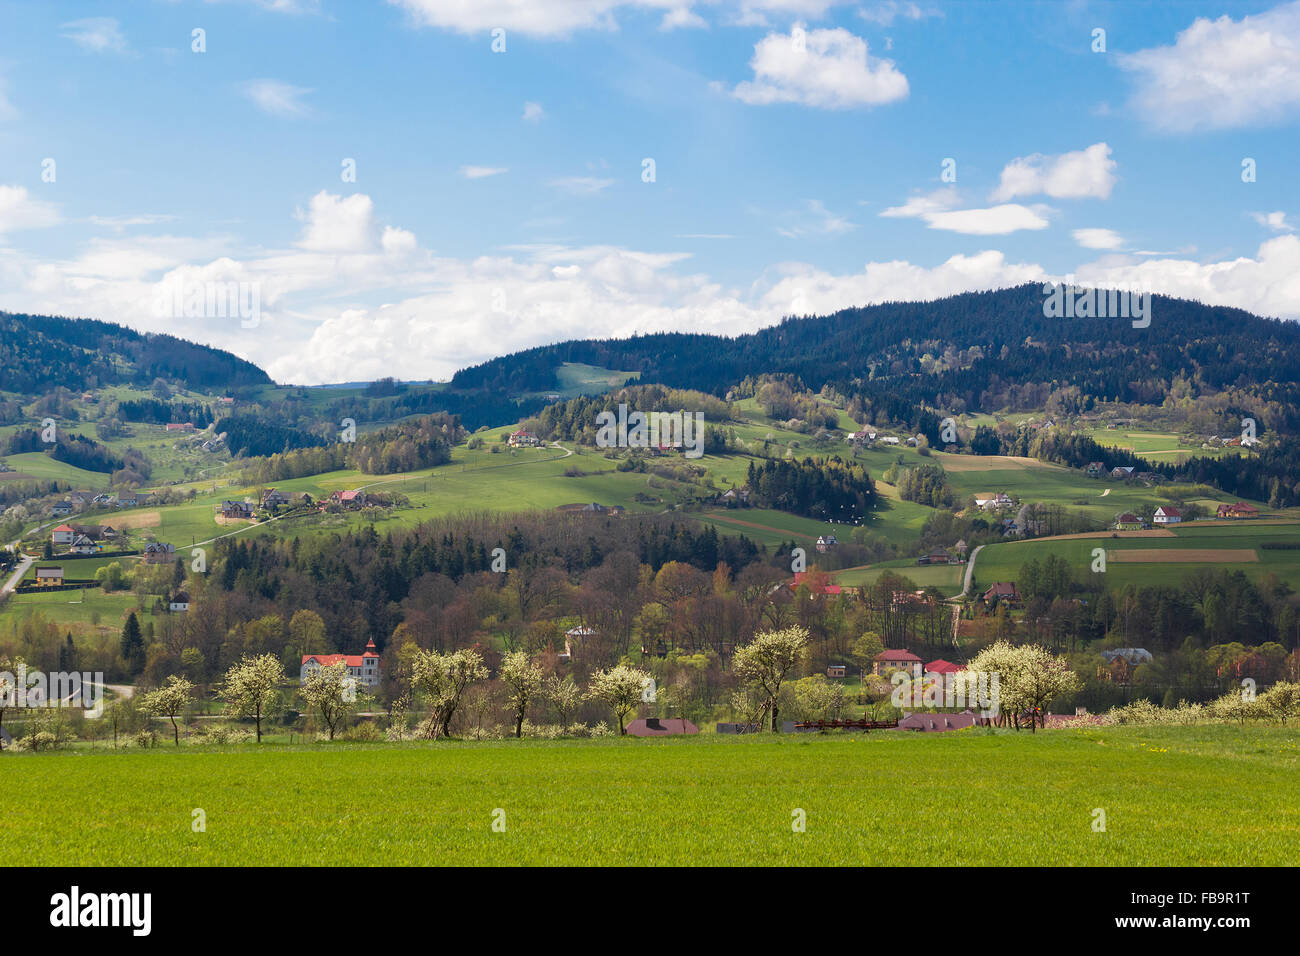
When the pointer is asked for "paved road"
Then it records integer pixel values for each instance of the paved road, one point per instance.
(970, 571)
(17, 576)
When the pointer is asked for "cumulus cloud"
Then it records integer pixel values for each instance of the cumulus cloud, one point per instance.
(354, 298)
(533, 112)
(1098, 238)
(18, 210)
(829, 69)
(1273, 220)
(277, 98)
(1083, 174)
(938, 211)
(1222, 74)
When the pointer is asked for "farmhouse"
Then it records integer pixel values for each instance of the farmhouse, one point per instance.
(235, 509)
(989, 501)
(888, 662)
(1095, 469)
(158, 552)
(1003, 592)
(274, 499)
(61, 509)
(1128, 522)
(182, 427)
(46, 577)
(837, 670)
(941, 667)
(1122, 472)
(349, 499)
(1238, 510)
(1167, 516)
(826, 542)
(524, 439)
(363, 667)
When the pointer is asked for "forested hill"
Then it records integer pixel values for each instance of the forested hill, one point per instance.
(40, 352)
(974, 351)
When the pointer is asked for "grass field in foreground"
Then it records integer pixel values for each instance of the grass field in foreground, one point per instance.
(1216, 795)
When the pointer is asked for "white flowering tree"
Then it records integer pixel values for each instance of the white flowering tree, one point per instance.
(523, 680)
(332, 694)
(766, 661)
(621, 688)
(1030, 677)
(170, 701)
(443, 679)
(252, 688)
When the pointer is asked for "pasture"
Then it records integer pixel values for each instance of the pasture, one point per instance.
(1213, 795)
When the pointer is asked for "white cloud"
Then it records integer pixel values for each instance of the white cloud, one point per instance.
(118, 223)
(885, 13)
(277, 98)
(18, 210)
(561, 18)
(533, 112)
(817, 220)
(937, 210)
(1222, 73)
(1082, 174)
(1098, 238)
(482, 172)
(324, 316)
(681, 17)
(339, 224)
(96, 34)
(1273, 220)
(830, 69)
(581, 185)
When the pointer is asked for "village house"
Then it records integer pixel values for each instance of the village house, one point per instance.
(178, 602)
(1002, 592)
(1166, 515)
(83, 545)
(182, 427)
(159, 552)
(1128, 522)
(274, 499)
(61, 509)
(1238, 510)
(990, 502)
(1095, 469)
(524, 439)
(235, 509)
(891, 661)
(941, 667)
(364, 667)
(63, 534)
(837, 670)
(350, 500)
(49, 577)
(1122, 472)
(96, 532)
(825, 542)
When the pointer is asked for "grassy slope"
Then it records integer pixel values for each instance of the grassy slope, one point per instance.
(1196, 796)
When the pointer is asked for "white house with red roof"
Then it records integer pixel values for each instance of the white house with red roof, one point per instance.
(1165, 515)
(363, 667)
(63, 534)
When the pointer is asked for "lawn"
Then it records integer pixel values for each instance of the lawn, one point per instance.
(1195, 796)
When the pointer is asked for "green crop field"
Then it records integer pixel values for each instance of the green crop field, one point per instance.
(1002, 562)
(1217, 795)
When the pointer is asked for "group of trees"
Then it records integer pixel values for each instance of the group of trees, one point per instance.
(823, 489)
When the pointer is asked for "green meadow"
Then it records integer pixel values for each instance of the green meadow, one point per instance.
(1002, 562)
(1215, 795)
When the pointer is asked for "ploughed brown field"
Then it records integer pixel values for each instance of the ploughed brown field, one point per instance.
(1184, 555)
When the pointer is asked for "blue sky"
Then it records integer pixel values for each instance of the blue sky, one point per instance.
(501, 198)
